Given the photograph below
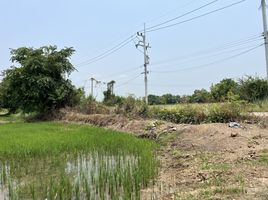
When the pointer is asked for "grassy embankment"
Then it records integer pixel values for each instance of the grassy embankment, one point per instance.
(60, 161)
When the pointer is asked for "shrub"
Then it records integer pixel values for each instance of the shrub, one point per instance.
(90, 106)
(221, 113)
(132, 107)
(253, 88)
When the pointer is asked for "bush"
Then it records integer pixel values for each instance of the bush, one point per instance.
(222, 113)
(132, 107)
(90, 106)
(253, 88)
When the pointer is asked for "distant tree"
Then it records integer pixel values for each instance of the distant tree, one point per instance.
(219, 91)
(39, 83)
(185, 99)
(154, 100)
(200, 96)
(253, 88)
(169, 99)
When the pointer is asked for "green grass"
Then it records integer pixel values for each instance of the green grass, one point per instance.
(73, 161)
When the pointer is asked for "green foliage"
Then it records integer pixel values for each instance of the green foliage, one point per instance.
(226, 112)
(220, 90)
(88, 105)
(132, 107)
(39, 84)
(170, 99)
(65, 161)
(253, 88)
(154, 100)
(187, 114)
(216, 113)
(164, 99)
(200, 96)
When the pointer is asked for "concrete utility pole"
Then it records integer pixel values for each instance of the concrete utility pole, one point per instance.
(92, 82)
(145, 46)
(265, 34)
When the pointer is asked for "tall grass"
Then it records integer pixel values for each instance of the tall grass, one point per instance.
(199, 113)
(60, 161)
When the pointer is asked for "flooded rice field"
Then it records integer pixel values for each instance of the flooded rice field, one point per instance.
(98, 169)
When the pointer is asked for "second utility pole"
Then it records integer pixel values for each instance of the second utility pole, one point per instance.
(145, 65)
(92, 85)
(146, 60)
(265, 33)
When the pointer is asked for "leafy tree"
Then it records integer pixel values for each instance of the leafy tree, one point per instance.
(253, 88)
(200, 96)
(170, 99)
(154, 100)
(39, 83)
(220, 91)
(185, 99)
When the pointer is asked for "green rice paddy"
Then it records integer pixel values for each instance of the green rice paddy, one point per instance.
(66, 161)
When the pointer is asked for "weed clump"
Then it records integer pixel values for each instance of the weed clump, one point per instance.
(132, 107)
(90, 106)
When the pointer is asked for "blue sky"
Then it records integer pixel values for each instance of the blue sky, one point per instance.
(92, 27)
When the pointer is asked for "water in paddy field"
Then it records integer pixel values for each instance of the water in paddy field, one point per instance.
(80, 176)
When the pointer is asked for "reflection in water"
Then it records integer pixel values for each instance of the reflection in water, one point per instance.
(78, 176)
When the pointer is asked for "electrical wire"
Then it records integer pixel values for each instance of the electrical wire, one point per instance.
(122, 72)
(212, 63)
(213, 49)
(167, 13)
(197, 17)
(183, 15)
(107, 53)
(213, 54)
(127, 82)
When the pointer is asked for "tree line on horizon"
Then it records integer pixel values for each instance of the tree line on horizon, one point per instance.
(249, 88)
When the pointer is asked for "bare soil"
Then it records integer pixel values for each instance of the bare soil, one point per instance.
(207, 161)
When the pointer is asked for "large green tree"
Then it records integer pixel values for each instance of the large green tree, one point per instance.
(39, 83)
(220, 91)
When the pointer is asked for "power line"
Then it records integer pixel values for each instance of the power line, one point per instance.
(205, 56)
(127, 82)
(212, 63)
(108, 52)
(122, 72)
(199, 16)
(183, 15)
(167, 13)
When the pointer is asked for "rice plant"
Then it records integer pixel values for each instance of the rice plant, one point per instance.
(63, 161)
